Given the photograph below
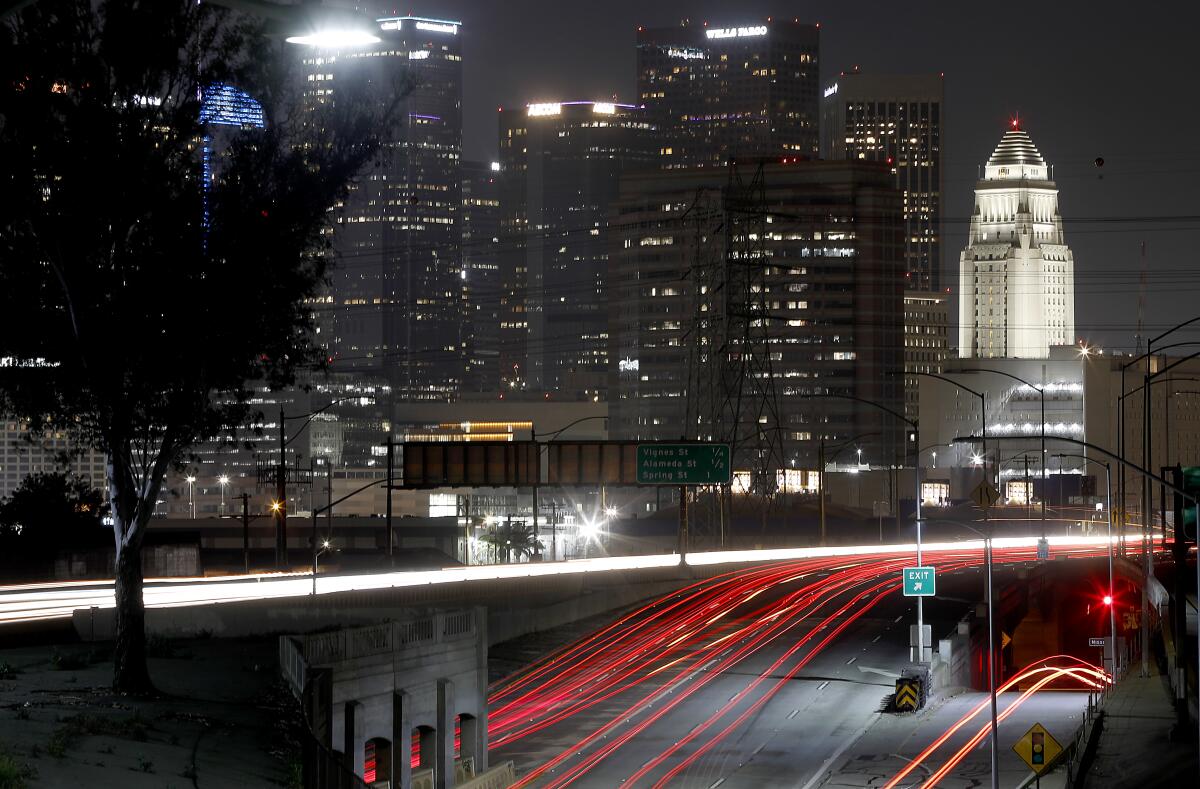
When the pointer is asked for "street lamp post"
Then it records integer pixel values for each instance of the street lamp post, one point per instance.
(1148, 475)
(191, 482)
(223, 480)
(917, 477)
(982, 411)
(1041, 390)
(1112, 616)
(987, 562)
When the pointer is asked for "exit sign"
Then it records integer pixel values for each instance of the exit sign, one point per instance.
(920, 582)
(683, 464)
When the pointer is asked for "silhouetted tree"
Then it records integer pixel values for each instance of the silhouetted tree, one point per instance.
(51, 510)
(124, 317)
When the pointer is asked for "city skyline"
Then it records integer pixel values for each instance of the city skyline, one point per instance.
(546, 58)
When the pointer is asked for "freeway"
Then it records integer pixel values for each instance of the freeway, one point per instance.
(770, 673)
(772, 676)
(24, 603)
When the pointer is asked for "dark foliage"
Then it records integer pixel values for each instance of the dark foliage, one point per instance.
(121, 318)
(50, 511)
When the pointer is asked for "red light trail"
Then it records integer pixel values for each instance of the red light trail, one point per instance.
(653, 659)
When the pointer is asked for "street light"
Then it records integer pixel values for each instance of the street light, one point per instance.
(223, 480)
(326, 547)
(982, 414)
(1108, 598)
(987, 561)
(191, 481)
(1041, 390)
(1148, 476)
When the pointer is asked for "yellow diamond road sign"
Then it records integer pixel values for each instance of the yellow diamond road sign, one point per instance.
(985, 496)
(1038, 748)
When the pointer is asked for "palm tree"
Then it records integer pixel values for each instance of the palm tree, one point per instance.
(509, 537)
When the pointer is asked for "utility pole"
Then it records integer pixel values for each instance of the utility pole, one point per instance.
(1147, 533)
(245, 497)
(821, 486)
(1028, 491)
(388, 506)
(683, 522)
(281, 498)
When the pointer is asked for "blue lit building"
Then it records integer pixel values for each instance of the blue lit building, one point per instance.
(224, 105)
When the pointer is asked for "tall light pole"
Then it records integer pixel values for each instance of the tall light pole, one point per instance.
(917, 483)
(982, 411)
(1148, 475)
(1110, 598)
(991, 615)
(223, 481)
(1041, 390)
(191, 481)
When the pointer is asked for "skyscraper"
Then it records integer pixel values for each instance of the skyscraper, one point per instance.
(481, 272)
(748, 91)
(1017, 275)
(395, 302)
(831, 300)
(562, 163)
(895, 119)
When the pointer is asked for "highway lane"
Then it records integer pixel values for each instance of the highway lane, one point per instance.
(782, 700)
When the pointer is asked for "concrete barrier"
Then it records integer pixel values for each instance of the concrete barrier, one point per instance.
(516, 606)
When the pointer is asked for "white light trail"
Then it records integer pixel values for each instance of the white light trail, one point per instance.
(58, 600)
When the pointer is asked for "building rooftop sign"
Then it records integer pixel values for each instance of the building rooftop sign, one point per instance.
(736, 32)
(420, 23)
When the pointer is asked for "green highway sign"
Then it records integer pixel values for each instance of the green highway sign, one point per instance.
(1191, 483)
(683, 464)
(920, 582)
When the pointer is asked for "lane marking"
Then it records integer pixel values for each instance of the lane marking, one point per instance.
(822, 686)
(881, 671)
(851, 660)
(718, 783)
(876, 638)
(819, 776)
(794, 713)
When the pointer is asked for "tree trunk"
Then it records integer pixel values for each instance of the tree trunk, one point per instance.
(130, 674)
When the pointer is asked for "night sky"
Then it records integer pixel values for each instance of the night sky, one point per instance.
(1116, 80)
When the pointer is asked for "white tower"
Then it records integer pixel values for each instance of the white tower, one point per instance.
(1017, 277)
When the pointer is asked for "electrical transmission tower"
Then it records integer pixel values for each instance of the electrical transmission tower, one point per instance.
(731, 395)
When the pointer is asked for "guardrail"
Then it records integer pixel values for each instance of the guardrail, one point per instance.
(384, 638)
(292, 665)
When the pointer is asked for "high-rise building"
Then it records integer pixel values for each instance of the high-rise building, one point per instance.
(481, 272)
(831, 294)
(748, 91)
(561, 164)
(24, 453)
(896, 119)
(926, 342)
(394, 306)
(1016, 275)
